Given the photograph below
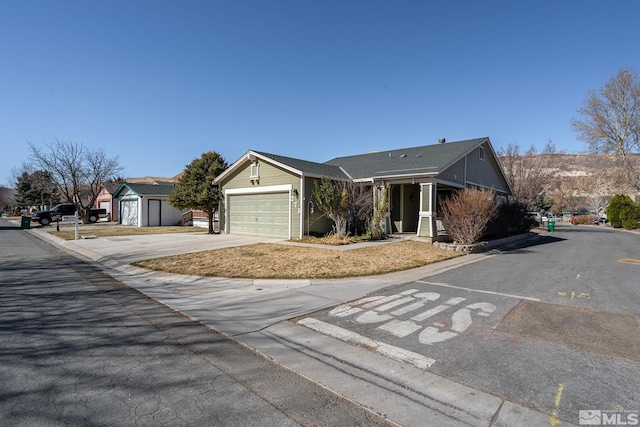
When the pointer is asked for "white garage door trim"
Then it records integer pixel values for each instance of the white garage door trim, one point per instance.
(285, 188)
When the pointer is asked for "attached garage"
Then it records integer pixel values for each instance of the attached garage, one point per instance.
(269, 195)
(261, 214)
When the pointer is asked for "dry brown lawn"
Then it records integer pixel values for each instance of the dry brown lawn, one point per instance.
(123, 230)
(275, 261)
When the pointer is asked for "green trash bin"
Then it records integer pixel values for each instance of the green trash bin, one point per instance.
(26, 222)
(551, 225)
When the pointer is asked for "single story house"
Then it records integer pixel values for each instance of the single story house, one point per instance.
(146, 205)
(272, 195)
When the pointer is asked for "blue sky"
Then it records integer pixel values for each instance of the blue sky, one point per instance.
(158, 83)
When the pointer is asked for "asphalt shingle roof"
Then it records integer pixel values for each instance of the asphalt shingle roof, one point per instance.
(151, 189)
(111, 186)
(414, 160)
(308, 167)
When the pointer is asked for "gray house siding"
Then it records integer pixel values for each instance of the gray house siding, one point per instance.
(454, 173)
(483, 172)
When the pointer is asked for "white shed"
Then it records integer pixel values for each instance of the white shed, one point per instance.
(146, 205)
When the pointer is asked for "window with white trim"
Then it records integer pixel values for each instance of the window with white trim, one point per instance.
(481, 149)
(254, 171)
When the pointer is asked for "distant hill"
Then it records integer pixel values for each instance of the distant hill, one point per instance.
(589, 173)
(151, 179)
(587, 180)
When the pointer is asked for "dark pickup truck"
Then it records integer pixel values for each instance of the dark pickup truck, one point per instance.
(65, 209)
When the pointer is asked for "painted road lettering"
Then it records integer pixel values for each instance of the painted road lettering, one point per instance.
(461, 320)
(386, 309)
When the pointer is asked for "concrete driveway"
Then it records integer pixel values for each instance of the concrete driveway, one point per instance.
(128, 249)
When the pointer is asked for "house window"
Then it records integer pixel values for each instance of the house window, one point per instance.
(481, 153)
(254, 171)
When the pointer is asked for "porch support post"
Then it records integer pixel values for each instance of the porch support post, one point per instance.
(379, 191)
(427, 226)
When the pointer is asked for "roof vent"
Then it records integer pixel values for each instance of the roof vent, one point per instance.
(442, 140)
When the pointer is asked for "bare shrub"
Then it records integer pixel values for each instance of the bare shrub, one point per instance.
(584, 219)
(467, 213)
(376, 228)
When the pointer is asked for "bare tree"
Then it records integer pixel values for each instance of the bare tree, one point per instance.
(528, 173)
(360, 205)
(593, 195)
(7, 200)
(43, 186)
(76, 170)
(610, 123)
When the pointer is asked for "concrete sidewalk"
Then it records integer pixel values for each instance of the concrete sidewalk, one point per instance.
(256, 313)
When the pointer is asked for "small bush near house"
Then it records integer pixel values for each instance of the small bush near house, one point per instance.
(510, 219)
(617, 205)
(467, 213)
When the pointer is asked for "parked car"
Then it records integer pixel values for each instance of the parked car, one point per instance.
(65, 209)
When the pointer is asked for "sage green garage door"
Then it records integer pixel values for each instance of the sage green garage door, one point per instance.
(264, 214)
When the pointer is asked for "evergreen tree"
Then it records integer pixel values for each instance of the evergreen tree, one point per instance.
(617, 205)
(195, 188)
(24, 191)
(35, 188)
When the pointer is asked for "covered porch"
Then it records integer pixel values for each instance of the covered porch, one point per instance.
(413, 207)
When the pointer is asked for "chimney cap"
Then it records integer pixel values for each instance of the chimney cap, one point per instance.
(442, 140)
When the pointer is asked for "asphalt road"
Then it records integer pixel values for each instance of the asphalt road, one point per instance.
(525, 336)
(80, 348)
(552, 327)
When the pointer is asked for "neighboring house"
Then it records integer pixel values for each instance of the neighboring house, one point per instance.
(271, 195)
(104, 200)
(146, 205)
